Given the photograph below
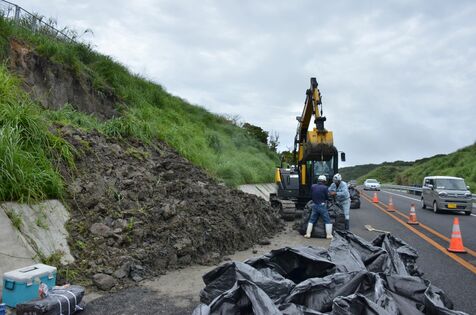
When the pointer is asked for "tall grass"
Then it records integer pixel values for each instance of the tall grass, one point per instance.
(27, 147)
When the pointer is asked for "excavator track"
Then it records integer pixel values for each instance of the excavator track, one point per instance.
(288, 210)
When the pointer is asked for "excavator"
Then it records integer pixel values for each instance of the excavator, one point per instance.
(315, 154)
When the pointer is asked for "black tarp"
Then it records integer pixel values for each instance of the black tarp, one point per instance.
(353, 276)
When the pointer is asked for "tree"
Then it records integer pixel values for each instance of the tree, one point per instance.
(273, 141)
(256, 132)
(287, 157)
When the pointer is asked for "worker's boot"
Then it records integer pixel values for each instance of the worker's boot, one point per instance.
(329, 231)
(309, 230)
(347, 225)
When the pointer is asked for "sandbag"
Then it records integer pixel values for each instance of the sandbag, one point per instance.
(59, 301)
(244, 297)
(296, 263)
(345, 257)
(403, 255)
(353, 276)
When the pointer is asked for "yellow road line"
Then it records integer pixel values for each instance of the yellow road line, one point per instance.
(432, 231)
(455, 257)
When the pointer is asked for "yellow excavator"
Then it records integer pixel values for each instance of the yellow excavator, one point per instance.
(315, 154)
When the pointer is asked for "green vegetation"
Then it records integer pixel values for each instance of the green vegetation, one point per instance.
(15, 218)
(29, 151)
(27, 147)
(354, 172)
(461, 163)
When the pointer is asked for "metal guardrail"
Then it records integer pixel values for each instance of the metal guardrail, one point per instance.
(33, 22)
(415, 190)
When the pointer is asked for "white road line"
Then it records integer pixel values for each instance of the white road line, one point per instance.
(400, 195)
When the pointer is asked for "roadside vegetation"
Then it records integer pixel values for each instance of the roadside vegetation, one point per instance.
(461, 163)
(29, 150)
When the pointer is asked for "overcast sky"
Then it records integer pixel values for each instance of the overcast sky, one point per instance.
(398, 78)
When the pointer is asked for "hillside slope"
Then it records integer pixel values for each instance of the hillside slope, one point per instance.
(141, 172)
(461, 163)
(77, 86)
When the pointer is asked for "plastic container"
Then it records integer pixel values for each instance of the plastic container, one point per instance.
(3, 308)
(22, 285)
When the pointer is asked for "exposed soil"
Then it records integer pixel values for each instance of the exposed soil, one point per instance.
(54, 85)
(139, 210)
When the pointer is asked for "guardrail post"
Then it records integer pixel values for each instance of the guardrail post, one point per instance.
(17, 12)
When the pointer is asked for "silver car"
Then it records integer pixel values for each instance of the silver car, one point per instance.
(446, 193)
(371, 184)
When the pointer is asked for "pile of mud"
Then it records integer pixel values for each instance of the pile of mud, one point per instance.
(139, 210)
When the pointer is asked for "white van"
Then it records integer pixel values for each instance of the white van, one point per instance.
(446, 193)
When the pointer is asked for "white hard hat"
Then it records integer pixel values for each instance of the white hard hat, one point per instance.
(322, 178)
(337, 177)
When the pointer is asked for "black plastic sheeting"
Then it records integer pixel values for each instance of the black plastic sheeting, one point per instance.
(59, 301)
(353, 276)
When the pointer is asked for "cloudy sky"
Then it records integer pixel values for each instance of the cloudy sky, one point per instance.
(398, 78)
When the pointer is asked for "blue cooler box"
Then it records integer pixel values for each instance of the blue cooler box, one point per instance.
(22, 285)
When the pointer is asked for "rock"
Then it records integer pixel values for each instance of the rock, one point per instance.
(120, 273)
(185, 260)
(169, 211)
(183, 246)
(137, 278)
(264, 242)
(255, 251)
(169, 175)
(138, 267)
(100, 229)
(104, 282)
(173, 259)
(120, 224)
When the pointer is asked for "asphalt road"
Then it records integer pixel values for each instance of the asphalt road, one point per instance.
(454, 273)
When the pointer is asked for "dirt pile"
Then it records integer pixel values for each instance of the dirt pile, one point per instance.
(139, 210)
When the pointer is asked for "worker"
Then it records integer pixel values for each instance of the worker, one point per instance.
(320, 195)
(339, 189)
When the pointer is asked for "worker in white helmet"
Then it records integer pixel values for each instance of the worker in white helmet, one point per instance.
(320, 195)
(340, 190)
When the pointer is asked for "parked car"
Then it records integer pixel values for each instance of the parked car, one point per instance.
(371, 184)
(446, 193)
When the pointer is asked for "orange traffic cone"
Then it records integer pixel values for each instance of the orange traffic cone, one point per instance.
(456, 242)
(412, 217)
(390, 207)
(375, 199)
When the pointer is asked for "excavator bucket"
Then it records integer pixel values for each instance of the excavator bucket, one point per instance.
(318, 151)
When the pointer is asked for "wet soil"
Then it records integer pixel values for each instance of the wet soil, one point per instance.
(138, 210)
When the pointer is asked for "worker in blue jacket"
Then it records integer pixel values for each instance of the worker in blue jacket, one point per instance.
(340, 190)
(320, 195)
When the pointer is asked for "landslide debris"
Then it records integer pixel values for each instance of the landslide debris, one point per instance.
(138, 210)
